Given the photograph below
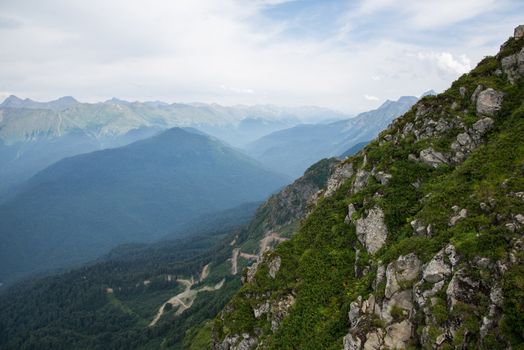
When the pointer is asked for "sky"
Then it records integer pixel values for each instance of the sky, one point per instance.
(345, 55)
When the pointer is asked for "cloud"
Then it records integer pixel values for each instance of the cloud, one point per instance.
(371, 98)
(249, 52)
(446, 62)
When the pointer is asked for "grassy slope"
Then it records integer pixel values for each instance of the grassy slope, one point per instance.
(318, 263)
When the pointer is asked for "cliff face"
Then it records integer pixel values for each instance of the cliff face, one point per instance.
(417, 240)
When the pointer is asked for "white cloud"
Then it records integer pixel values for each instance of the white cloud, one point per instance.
(225, 51)
(371, 98)
(446, 62)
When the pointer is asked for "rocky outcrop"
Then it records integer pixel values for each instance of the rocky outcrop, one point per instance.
(237, 342)
(371, 230)
(513, 66)
(438, 268)
(274, 266)
(467, 141)
(400, 272)
(361, 180)
(431, 157)
(341, 173)
(489, 102)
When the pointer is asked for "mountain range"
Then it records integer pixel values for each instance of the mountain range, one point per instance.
(292, 150)
(34, 135)
(80, 207)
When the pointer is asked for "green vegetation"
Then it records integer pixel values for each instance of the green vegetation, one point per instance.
(318, 263)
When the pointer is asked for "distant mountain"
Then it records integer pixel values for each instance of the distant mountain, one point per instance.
(354, 149)
(292, 150)
(55, 105)
(33, 135)
(82, 206)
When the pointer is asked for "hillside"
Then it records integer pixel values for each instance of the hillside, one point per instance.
(34, 135)
(121, 301)
(292, 150)
(418, 246)
(82, 206)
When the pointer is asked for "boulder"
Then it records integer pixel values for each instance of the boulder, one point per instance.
(432, 157)
(352, 342)
(437, 269)
(402, 300)
(371, 230)
(405, 269)
(398, 335)
(489, 102)
(461, 288)
(462, 214)
(374, 339)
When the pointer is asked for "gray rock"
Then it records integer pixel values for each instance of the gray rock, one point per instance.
(383, 177)
(419, 229)
(251, 271)
(489, 102)
(402, 300)
(352, 342)
(476, 93)
(280, 309)
(437, 269)
(381, 273)
(462, 214)
(371, 230)
(405, 269)
(518, 32)
(422, 296)
(236, 342)
(462, 91)
(262, 309)
(374, 339)
(274, 266)
(432, 157)
(398, 335)
(354, 311)
(351, 210)
(460, 288)
(513, 66)
(361, 180)
(340, 174)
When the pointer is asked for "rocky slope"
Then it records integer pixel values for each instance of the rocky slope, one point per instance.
(417, 241)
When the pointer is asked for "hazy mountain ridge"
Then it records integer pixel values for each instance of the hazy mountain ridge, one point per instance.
(292, 150)
(34, 134)
(81, 206)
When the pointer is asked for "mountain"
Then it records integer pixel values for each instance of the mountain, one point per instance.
(414, 242)
(34, 135)
(55, 105)
(417, 243)
(82, 206)
(158, 295)
(292, 150)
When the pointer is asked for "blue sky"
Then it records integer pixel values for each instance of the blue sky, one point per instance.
(347, 55)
